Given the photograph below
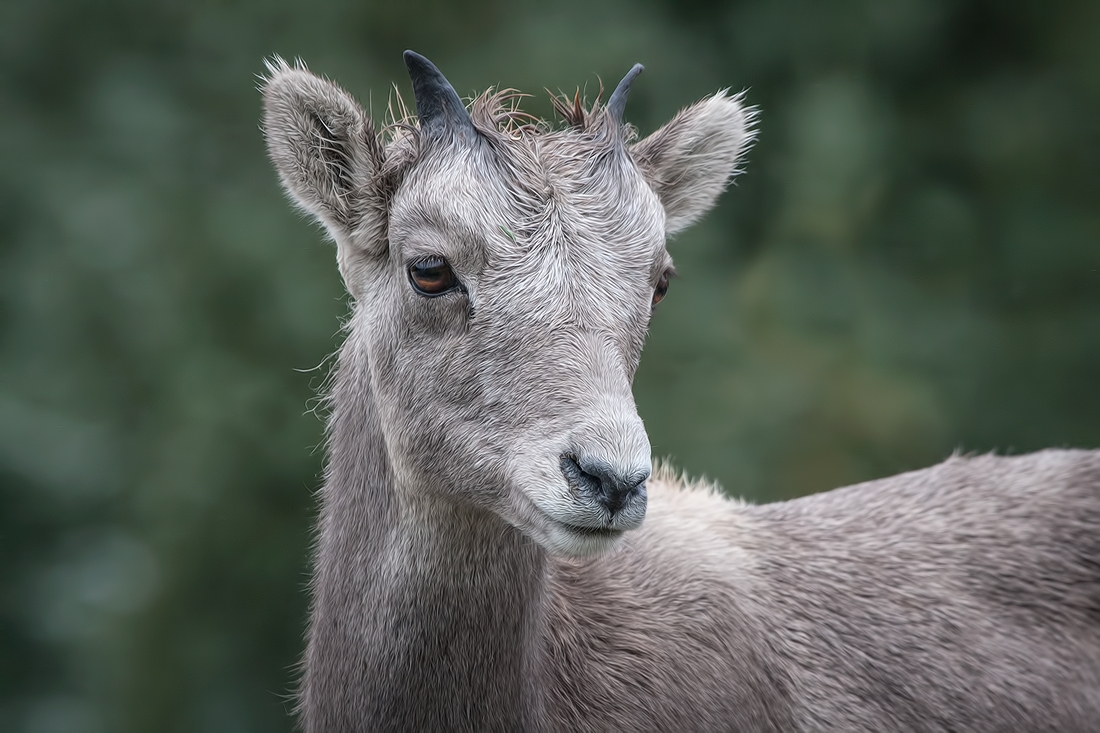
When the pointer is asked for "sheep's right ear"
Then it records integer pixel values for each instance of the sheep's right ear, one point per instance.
(325, 148)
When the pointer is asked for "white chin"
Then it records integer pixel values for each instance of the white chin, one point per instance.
(568, 541)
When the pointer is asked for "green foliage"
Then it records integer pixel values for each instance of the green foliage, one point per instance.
(909, 266)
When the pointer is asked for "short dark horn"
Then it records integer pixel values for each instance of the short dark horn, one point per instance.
(437, 103)
(617, 103)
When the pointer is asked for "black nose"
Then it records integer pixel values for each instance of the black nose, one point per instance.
(600, 480)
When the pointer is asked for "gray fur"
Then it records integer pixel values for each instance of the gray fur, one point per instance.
(449, 591)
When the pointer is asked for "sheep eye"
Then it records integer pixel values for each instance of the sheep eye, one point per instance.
(661, 290)
(432, 276)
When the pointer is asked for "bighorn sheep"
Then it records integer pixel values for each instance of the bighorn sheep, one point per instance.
(481, 559)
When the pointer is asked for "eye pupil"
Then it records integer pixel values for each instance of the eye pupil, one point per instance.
(432, 276)
(661, 290)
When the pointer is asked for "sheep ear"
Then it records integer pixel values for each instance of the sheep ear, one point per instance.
(689, 161)
(323, 145)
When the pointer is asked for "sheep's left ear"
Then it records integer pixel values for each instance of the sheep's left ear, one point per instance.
(689, 161)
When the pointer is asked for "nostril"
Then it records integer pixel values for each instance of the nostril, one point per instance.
(578, 477)
(617, 493)
(600, 480)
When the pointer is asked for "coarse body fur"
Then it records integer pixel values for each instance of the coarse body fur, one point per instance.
(482, 562)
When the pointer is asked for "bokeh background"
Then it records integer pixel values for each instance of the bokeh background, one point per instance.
(909, 266)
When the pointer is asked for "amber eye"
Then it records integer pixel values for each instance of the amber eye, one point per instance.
(661, 290)
(432, 276)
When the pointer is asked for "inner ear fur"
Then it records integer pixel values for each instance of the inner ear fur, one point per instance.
(324, 146)
(690, 160)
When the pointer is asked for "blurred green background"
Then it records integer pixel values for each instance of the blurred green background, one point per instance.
(908, 266)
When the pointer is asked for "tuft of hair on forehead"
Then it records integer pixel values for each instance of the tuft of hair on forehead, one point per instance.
(517, 138)
(498, 112)
(498, 109)
(577, 113)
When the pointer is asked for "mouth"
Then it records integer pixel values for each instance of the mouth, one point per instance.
(572, 540)
(600, 532)
(604, 531)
